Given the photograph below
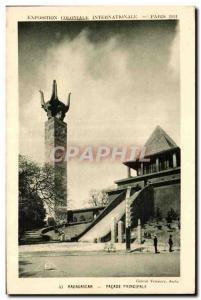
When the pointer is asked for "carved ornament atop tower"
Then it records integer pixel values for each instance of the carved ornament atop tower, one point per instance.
(54, 107)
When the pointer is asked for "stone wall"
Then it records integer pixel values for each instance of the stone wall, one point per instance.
(167, 197)
(143, 207)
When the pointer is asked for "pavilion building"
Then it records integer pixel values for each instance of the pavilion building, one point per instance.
(155, 187)
(161, 169)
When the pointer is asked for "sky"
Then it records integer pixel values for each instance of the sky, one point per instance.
(124, 80)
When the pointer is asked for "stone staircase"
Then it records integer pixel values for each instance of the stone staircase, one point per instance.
(70, 231)
(31, 237)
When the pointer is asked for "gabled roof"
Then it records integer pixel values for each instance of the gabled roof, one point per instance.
(159, 141)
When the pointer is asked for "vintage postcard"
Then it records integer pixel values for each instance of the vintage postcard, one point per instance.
(100, 150)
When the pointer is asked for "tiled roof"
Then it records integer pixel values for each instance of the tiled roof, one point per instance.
(159, 141)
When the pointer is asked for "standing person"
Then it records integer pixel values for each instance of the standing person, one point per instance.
(155, 243)
(170, 242)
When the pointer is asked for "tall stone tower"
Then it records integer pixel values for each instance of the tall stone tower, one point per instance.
(55, 146)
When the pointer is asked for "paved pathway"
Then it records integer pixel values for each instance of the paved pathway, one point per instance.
(55, 247)
(98, 264)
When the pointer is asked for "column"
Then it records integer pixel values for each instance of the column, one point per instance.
(129, 172)
(127, 202)
(120, 231)
(174, 159)
(113, 230)
(157, 165)
(128, 238)
(139, 232)
(128, 218)
(141, 169)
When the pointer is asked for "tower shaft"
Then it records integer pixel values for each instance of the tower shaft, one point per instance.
(55, 141)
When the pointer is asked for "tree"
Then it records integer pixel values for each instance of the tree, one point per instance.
(31, 212)
(31, 207)
(171, 215)
(40, 189)
(98, 198)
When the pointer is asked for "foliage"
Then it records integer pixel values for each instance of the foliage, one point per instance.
(31, 208)
(172, 215)
(40, 189)
(31, 212)
(98, 198)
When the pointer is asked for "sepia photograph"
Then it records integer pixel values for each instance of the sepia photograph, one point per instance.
(87, 192)
(99, 148)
